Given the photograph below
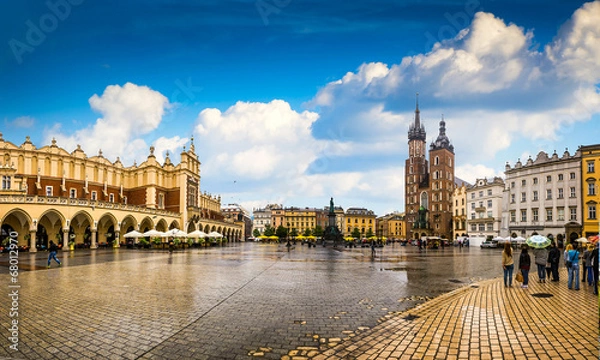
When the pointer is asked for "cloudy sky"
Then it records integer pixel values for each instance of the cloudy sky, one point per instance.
(296, 101)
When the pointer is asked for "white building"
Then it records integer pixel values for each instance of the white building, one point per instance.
(484, 207)
(543, 196)
(262, 217)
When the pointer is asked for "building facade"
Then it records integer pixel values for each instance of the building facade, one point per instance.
(51, 194)
(359, 218)
(299, 220)
(544, 196)
(392, 226)
(262, 217)
(484, 207)
(459, 218)
(590, 177)
(429, 184)
(238, 214)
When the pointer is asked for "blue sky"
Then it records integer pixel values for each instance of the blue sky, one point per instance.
(295, 101)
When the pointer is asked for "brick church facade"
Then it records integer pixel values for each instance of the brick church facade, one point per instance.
(429, 184)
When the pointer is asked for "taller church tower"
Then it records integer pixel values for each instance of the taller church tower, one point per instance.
(416, 178)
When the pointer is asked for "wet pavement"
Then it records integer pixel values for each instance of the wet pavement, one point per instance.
(235, 302)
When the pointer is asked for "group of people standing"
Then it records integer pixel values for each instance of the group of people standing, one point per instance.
(547, 262)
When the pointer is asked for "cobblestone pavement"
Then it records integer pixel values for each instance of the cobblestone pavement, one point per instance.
(257, 300)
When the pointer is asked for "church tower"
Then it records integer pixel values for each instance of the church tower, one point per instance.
(441, 156)
(416, 178)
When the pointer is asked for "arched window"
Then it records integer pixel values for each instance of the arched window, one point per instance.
(437, 160)
(424, 200)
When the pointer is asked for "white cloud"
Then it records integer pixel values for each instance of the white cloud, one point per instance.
(257, 140)
(576, 50)
(493, 86)
(20, 122)
(128, 112)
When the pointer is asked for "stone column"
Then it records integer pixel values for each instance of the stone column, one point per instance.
(94, 244)
(32, 241)
(65, 246)
(117, 242)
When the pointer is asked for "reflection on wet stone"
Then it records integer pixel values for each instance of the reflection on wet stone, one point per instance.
(246, 300)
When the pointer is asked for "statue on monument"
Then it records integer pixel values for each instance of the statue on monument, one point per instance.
(331, 211)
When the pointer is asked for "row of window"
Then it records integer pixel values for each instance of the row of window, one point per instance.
(489, 193)
(94, 197)
(548, 179)
(535, 214)
(561, 195)
(363, 221)
(489, 215)
(489, 204)
(482, 227)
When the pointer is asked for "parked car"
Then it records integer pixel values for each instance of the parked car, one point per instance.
(489, 244)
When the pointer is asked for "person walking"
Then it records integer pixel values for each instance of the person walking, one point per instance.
(541, 257)
(573, 258)
(373, 249)
(566, 254)
(584, 266)
(554, 259)
(53, 249)
(594, 262)
(524, 264)
(508, 264)
(587, 254)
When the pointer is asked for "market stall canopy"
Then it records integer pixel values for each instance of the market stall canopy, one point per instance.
(133, 234)
(154, 233)
(176, 233)
(197, 234)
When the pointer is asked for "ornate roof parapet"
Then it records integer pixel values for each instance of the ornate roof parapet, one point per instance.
(542, 159)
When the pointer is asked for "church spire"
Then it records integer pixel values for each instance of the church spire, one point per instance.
(416, 130)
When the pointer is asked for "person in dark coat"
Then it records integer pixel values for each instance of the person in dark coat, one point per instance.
(554, 259)
(524, 265)
(594, 261)
(52, 249)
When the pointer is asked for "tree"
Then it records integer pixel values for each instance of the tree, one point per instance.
(369, 233)
(356, 233)
(281, 232)
(256, 233)
(318, 230)
(294, 232)
(269, 231)
(307, 232)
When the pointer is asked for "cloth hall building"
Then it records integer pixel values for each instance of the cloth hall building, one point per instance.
(51, 194)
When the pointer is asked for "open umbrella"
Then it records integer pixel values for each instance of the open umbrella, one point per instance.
(582, 240)
(197, 234)
(214, 234)
(133, 234)
(176, 233)
(538, 241)
(593, 239)
(154, 233)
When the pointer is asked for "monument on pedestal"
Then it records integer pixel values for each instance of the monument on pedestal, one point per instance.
(331, 231)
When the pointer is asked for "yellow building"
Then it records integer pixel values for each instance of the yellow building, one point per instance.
(360, 218)
(392, 226)
(590, 177)
(51, 194)
(302, 219)
(459, 217)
